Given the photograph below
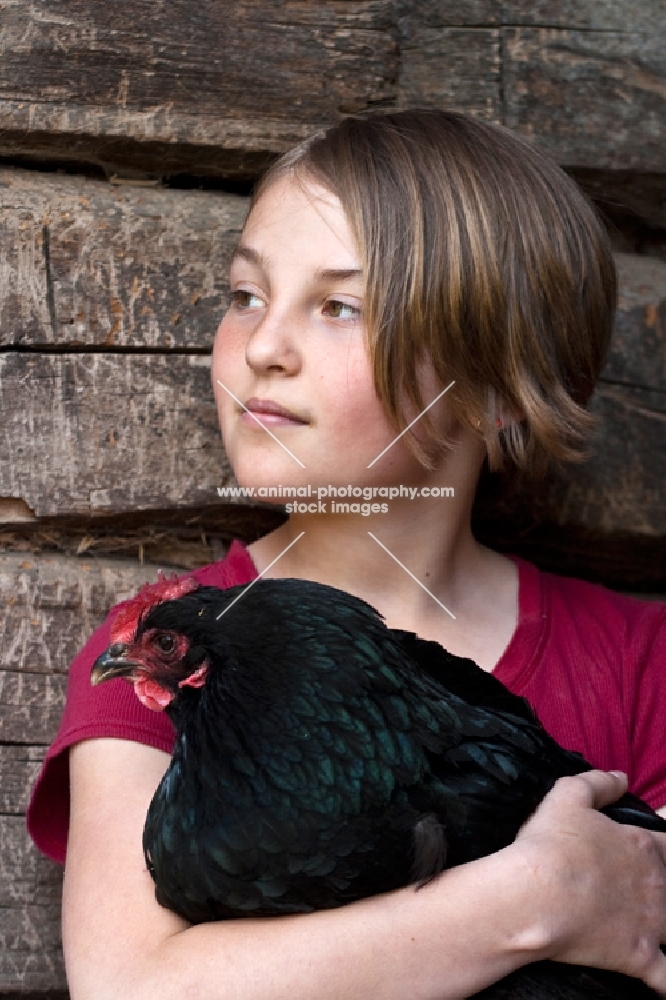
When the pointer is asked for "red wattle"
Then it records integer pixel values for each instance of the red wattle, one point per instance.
(151, 695)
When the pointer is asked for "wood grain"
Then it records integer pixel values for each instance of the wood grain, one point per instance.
(95, 433)
(30, 706)
(623, 486)
(19, 766)
(52, 604)
(616, 501)
(455, 68)
(217, 89)
(588, 98)
(611, 15)
(86, 262)
(202, 85)
(30, 889)
(638, 351)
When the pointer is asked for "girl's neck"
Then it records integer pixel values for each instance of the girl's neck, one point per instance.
(363, 554)
(429, 535)
(461, 577)
(422, 567)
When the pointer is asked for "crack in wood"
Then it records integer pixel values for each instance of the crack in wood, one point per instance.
(630, 385)
(50, 293)
(77, 348)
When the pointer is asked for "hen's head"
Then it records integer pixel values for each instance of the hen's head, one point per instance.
(152, 648)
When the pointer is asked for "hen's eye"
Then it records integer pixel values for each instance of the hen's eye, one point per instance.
(167, 643)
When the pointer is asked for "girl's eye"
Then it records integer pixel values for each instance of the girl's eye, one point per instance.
(243, 299)
(167, 643)
(341, 310)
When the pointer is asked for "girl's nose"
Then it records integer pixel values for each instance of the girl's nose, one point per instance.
(273, 346)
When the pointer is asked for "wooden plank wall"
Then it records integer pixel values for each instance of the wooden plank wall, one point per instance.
(129, 138)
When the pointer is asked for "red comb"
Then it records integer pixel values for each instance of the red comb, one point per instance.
(165, 589)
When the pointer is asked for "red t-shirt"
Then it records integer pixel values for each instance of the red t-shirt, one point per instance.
(590, 661)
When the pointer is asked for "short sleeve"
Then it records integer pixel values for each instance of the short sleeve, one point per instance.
(645, 687)
(110, 709)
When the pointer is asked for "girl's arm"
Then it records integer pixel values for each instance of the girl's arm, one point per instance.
(574, 886)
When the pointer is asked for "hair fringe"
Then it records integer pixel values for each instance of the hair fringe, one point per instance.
(482, 256)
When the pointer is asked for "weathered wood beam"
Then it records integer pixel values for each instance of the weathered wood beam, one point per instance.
(450, 67)
(51, 606)
(638, 351)
(95, 433)
(86, 262)
(19, 767)
(217, 88)
(30, 705)
(623, 487)
(615, 497)
(174, 539)
(585, 81)
(213, 78)
(586, 15)
(588, 98)
(30, 888)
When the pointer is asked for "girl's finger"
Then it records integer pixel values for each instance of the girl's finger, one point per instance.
(594, 789)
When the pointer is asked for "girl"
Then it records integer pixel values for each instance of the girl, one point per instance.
(390, 263)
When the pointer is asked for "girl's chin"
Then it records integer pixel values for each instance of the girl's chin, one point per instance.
(262, 467)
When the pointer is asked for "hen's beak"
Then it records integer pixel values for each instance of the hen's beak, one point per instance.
(112, 663)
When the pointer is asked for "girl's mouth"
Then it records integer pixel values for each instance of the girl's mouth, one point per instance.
(270, 413)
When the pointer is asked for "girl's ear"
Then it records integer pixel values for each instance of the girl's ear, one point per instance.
(498, 415)
(502, 422)
(506, 417)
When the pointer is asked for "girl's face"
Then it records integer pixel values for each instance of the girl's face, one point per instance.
(294, 336)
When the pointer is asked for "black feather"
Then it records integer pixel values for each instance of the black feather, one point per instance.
(329, 758)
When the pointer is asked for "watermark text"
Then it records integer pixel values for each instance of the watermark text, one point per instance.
(322, 492)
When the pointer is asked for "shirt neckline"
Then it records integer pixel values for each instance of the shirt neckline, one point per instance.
(521, 653)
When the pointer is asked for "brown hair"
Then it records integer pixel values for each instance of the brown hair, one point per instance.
(481, 256)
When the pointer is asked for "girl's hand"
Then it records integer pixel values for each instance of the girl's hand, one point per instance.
(604, 883)
(574, 886)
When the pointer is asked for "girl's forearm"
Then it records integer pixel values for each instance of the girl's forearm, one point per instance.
(463, 931)
(574, 886)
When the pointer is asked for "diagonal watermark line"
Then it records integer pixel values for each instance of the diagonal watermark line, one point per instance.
(409, 572)
(266, 428)
(409, 425)
(252, 582)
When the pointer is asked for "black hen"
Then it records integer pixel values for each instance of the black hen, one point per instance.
(321, 757)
